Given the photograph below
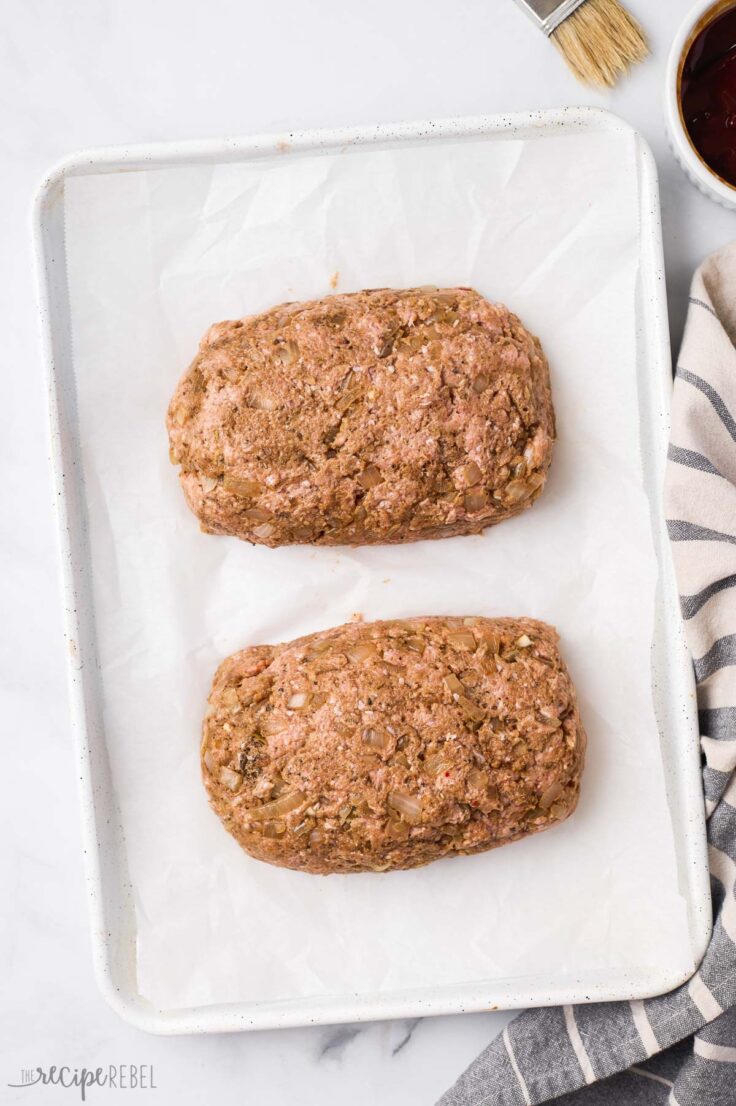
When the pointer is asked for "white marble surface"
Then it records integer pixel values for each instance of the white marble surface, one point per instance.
(101, 72)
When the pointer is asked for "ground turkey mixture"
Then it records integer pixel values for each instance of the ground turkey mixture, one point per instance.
(384, 745)
(381, 416)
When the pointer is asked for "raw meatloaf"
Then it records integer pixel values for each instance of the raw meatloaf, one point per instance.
(384, 745)
(380, 416)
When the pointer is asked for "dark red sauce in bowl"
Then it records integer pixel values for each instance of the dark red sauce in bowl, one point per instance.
(708, 94)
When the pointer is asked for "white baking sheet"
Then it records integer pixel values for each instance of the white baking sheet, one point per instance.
(549, 226)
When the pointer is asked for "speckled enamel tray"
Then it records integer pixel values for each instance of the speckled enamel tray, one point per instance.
(111, 906)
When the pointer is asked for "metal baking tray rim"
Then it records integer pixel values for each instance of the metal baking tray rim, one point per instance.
(109, 893)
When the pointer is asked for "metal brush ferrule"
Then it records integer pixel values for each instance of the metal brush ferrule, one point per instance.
(548, 14)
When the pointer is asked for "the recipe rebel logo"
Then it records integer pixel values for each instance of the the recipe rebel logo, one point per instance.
(115, 1077)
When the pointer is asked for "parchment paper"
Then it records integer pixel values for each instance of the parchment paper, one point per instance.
(548, 226)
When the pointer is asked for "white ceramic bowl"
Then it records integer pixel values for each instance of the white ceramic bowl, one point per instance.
(699, 173)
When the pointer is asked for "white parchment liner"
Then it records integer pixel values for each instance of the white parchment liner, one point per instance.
(548, 226)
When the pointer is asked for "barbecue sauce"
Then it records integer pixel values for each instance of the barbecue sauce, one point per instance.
(708, 93)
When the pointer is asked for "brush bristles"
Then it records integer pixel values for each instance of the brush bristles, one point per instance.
(600, 41)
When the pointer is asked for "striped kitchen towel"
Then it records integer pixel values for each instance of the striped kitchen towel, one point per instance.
(679, 1049)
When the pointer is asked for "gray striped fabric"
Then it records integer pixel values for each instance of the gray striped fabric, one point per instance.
(678, 1049)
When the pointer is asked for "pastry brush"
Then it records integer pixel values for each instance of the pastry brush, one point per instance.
(598, 39)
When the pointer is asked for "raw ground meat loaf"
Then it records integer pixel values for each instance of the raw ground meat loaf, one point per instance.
(381, 416)
(384, 745)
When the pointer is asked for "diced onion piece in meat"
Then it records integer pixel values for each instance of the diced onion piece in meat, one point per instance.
(370, 477)
(241, 485)
(347, 399)
(287, 352)
(376, 738)
(453, 685)
(230, 699)
(551, 794)
(230, 778)
(261, 401)
(491, 640)
(517, 490)
(472, 474)
(263, 531)
(277, 808)
(463, 639)
(258, 514)
(269, 726)
(363, 651)
(475, 500)
(436, 764)
(476, 778)
(408, 806)
(470, 709)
